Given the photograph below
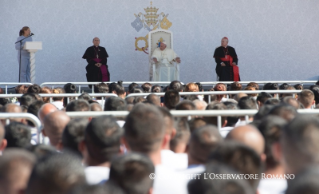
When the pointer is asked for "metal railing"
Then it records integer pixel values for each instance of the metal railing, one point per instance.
(261, 82)
(181, 113)
(28, 116)
(6, 84)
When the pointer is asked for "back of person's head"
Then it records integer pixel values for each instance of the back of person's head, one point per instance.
(78, 105)
(56, 173)
(101, 88)
(215, 106)
(27, 99)
(315, 90)
(200, 86)
(73, 134)
(231, 120)
(154, 99)
(300, 139)
(200, 105)
(284, 111)
(34, 89)
(306, 98)
(57, 91)
(102, 138)
(132, 86)
(41, 150)
(85, 96)
(305, 182)
(118, 89)
(136, 90)
(179, 142)
(131, 172)
(34, 109)
(191, 87)
(247, 103)
(235, 86)
(186, 105)
(202, 142)
(144, 129)
(147, 87)
(12, 108)
(240, 157)
(171, 99)
(17, 135)
(69, 88)
(15, 169)
(205, 184)
(114, 104)
(291, 101)
(156, 89)
(108, 188)
(270, 86)
(262, 112)
(129, 100)
(272, 101)
(19, 89)
(176, 86)
(139, 99)
(284, 86)
(271, 127)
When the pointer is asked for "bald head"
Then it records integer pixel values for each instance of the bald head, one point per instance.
(248, 135)
(45, 110)
(54, 124)
(238, 96)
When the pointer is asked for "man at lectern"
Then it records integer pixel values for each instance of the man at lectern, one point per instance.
(24, 56)
(164, 58)
(97, 69)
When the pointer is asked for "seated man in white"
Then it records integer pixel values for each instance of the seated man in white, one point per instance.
(164, 59)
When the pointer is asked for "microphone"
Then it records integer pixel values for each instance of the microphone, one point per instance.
(31, 34)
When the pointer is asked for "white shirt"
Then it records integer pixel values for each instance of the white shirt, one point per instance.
(194, 169)
(173, 160)
(58, 104)
(168, 181)
(225, 130)
(96, 174)
(273, 186)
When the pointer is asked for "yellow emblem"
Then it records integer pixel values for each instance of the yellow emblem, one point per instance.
(151, 20)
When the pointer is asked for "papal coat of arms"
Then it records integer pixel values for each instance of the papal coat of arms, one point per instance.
(151, 20)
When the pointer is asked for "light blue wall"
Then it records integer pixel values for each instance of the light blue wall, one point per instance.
(274, 39)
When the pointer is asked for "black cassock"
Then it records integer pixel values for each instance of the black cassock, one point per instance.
(225, 73)
(93, 73)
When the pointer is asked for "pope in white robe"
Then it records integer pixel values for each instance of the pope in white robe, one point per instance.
(166, 64)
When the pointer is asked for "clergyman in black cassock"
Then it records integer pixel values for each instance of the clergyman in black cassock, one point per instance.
(97, 68)
(226, 62)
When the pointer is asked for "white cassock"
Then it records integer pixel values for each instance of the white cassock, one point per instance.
(166, 69)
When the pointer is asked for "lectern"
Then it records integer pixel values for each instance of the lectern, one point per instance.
(32, 47)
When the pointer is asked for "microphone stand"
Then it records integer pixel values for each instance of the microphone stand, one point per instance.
(20, 41)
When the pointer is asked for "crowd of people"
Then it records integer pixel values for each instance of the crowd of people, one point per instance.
(151, 151)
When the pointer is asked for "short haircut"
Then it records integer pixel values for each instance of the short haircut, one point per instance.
(144, 129)
(231, 120)
(108, 188)
(34, 89)
(34, 109)
(129, 100)
(284, 86)
(186, 105)
(69, 88)
(58, 90)
(147, 87)
(17, 135)
(168, 119)
(271, 129)
(235, 86)
(117, 88)
(27, 99)
(300, 139)
(204, 184)
(215, 106)
(132, 86)
(305, 182)
(153, 99)
(85, 96)
(240, 157)
(131, 172)
(78, 105)
(298, 86)
(15, 168)
(262, 112)
(102, 138)
(190, 87)
(176, 86)
(247, 103)
(101, 88)
(284, 111)
(270, 86)
(253, 84)
(56, 173)
(114, 104)
(272, 101)
(171, 99)
(306, 97)
(315, 90)
(156, 89)
(41, 150)
(203, 142)
(182, 134)
(73, 134)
